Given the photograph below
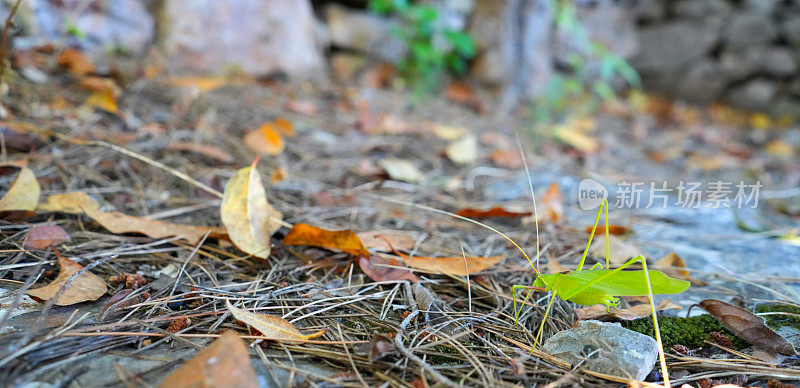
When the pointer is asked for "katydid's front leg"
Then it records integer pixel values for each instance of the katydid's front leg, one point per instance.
(514, 289)
(603, 206)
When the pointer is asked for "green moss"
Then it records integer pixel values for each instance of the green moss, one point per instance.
(775, 321)
(690, 332)
(440, 358)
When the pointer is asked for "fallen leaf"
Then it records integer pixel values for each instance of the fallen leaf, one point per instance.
(496, 211)
(102, 100)
(307, 108)
(224, 363)
(379, 346)
(73, 202)
(748, 326)
(380, 269)
(510, 159)
(22, 196)
(619, 250)
(450, 265)
(264, 141)
(278, 175)
(779, 148)
(446, 132)
(207, 150)
(247, 215)
(760, 121)
(674, 266)
(75, 62)
(401, 170)
(629, 314)
(84, 287)
(203, 84)
(376, 239)
(552, 203)
(43, 236)
(100, 84)
(118, 223)
(270, 326)
(612, 229)
(464, 150)
(574, 134)
(344, 240)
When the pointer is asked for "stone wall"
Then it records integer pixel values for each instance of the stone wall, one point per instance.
(744, 52)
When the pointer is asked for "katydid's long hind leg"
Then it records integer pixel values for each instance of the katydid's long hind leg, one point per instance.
(603, 207)
(544, 318)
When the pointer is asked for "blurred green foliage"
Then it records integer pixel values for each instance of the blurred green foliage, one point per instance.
(587, 82)
(433, 51)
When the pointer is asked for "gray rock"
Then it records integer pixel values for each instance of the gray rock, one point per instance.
(785, 106)
(779, 62)
(611, 25)
(750, 29)
(766, 7)
(650, 10)
(702, 82)
(794, 87)
(740, 64)
(791, 30)
(702, 9)
(670, 46)
(259, 36)
(756, 94)
(622, 352)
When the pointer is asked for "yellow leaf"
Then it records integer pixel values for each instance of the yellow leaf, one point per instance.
(224, 363)
(577, 139)
(74, 203)
(247, 215)
(102, 100)
(84, 287)
(464, 150)
(202, 83)
(272, 327)
(760, 121)
(446, 132)
(23, 194)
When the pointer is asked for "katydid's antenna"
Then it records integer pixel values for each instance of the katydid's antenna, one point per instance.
(533, 197)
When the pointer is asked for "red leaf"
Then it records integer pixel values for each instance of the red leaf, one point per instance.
(496, 211)
(380, 270)
(43, 236)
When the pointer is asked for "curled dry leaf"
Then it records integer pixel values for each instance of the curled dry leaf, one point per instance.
(344, 240)
(224, 363)
(43, 236)
(748, 326)
(379, 346)
(272, 327)
(376, 239)
(118, 223)
(674, 266)
(629, 314)
(265, 140)
(84, 287)
(22, 196)
(380, 269)
(496, 211)
(247, 215)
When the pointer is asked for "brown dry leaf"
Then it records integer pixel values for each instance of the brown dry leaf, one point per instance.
(202, 149)
(496, 211)
(307, 108)
(376, 239)
(75, 62)
(380, 269)
(203, 84)
(85, 287)
(748, 326)
(344, 240)
(552, 203)
(23, 193)
(674, 266)
(102, 100)
(510, 159)
(100, 84)
(264, 141)
(247, 215)
(74, 203)
(284, 127)
(270, 326)
(279, 175)
(612, 229)
(450, 265)
(224, 363)
(119, 223)
(43, 236)
(463, 150)
(629, 314)
(620, 250)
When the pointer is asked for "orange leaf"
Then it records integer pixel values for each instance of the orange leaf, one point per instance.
(380, 269)
(85, 287)
(75, 62)
(450, 265)
(552, 204)
(284, 127)
(102, 100)
(202, 83)
(377, 239)
(496, 211)
(264, 140)
(202, 149)
(612, 229)
(224, 363)
(344, 240)
(272, 327)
